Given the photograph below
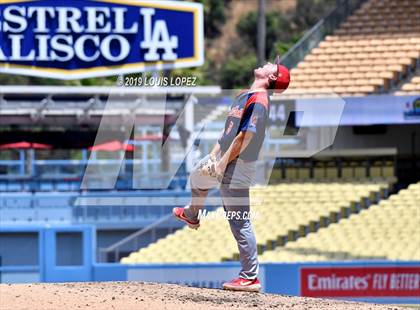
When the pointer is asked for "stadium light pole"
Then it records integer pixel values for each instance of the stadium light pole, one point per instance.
(261, 32)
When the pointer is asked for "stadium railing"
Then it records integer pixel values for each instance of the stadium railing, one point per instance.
(112, 253)
(66, 175)
(133, 209)
(318, 32)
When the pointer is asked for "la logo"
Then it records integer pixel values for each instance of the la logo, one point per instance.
(157, 37)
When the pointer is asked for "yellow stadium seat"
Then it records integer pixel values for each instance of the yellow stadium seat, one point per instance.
(388, 230)
(288, 209)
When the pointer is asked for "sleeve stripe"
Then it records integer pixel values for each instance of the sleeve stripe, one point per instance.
(259, 97)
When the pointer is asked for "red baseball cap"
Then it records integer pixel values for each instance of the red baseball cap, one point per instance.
(283, 77)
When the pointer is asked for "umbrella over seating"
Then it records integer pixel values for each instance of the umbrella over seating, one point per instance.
(24, 145)
(150, 138)
(112, 146)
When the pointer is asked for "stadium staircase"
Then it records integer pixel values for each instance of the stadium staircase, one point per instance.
(285, 212)
(412, 86)
(218, 112)
(374, 50)
(388, 230)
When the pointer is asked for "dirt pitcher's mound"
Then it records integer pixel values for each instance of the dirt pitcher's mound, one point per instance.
(152, 296)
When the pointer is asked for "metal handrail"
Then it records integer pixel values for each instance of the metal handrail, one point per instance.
(318, 32)
(284, 59)
(116, 246)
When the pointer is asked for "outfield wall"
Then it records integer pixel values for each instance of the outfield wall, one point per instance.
(66, 254)
(373, 281)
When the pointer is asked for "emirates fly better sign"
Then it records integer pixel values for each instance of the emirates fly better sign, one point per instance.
(71, 39)
(369, 281)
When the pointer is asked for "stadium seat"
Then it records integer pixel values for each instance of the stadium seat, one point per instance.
(372, 50)
(411, 87)
(285, 212)
(388, 230)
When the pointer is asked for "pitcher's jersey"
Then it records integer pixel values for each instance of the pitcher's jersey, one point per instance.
(254, 120)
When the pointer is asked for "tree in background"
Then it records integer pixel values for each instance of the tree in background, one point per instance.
(6, 79)
(238, 69)
(283, 30)
(309, 12)
(214, 16)
(278, 28)
(281, 47)
(12, 79)
(204, 74)
(237, 72)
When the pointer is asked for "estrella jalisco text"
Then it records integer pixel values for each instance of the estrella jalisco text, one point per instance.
(81, 38)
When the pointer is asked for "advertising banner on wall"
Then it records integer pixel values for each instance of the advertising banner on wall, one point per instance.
(363, 111)
(360, 281)
(71, 39)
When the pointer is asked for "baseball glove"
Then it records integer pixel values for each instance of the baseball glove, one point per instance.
(208, 168)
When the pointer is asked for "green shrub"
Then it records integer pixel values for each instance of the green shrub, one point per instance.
(238, 72)
(277, 29)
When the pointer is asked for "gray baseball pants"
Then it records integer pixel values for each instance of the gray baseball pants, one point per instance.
(234, 191)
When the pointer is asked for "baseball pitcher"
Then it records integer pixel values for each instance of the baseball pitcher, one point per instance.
(231, 166)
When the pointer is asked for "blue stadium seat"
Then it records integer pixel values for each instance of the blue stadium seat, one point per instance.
(14, 187)
(63, 186)
(46, 186)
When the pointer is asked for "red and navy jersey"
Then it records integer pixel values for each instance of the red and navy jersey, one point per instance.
(249, 112)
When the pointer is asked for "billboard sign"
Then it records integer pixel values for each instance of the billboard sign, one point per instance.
(72, 39)
(363, 111)
(360, 281)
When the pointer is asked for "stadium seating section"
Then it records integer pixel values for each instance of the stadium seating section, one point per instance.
(284, 212)
(373, 50)
(88, 207)
(387, 230)
(330, 170)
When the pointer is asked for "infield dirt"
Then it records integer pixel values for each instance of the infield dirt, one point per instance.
(153, 296)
